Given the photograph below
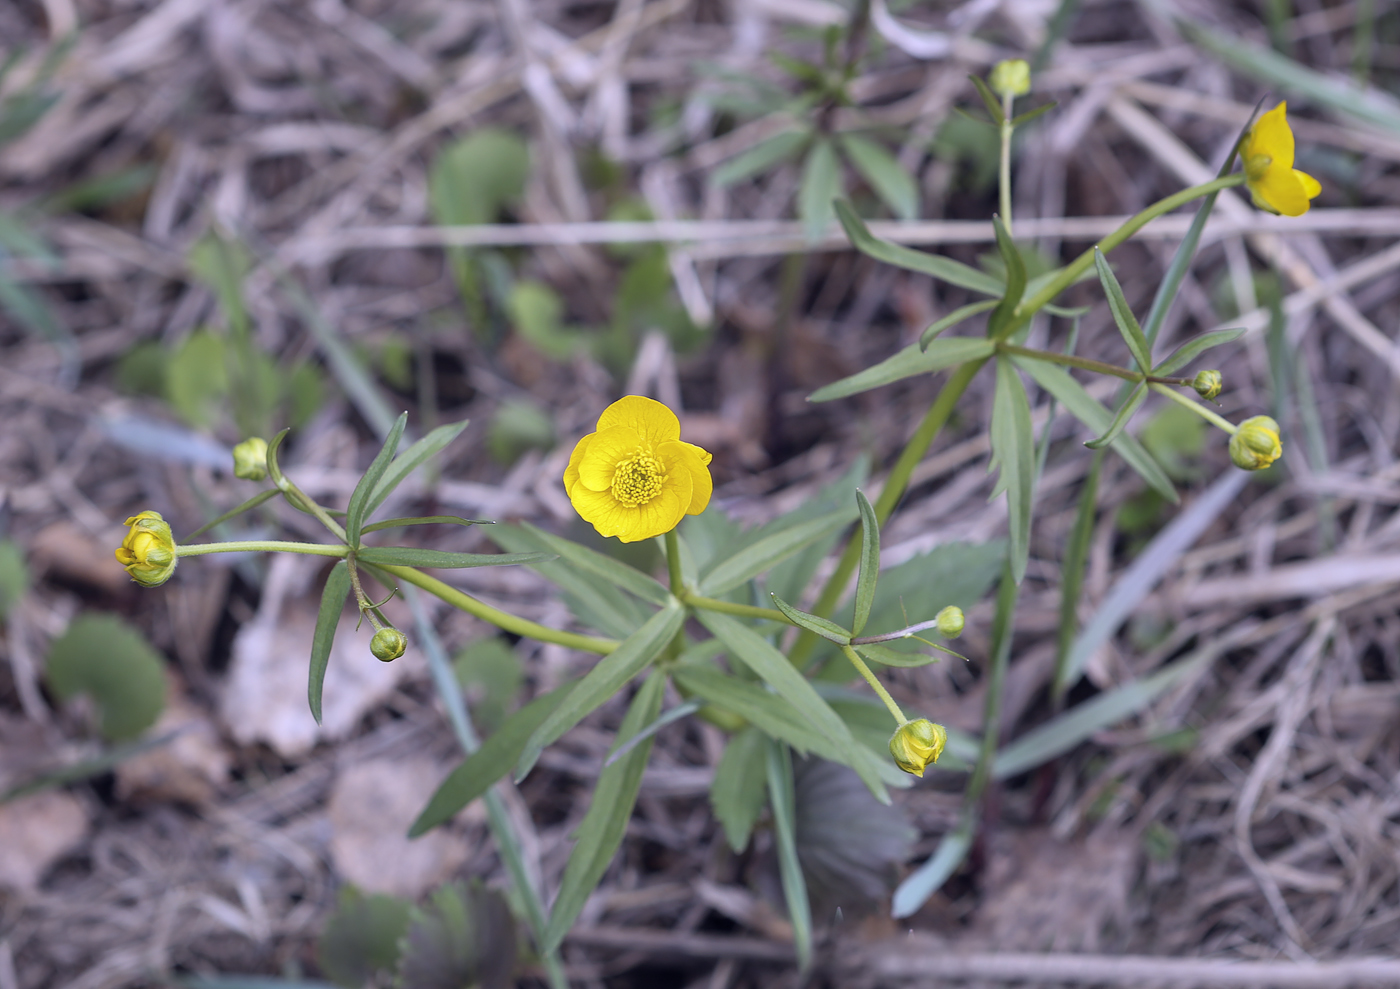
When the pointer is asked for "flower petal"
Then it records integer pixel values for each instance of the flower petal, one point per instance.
(664, 512)
(1281, 189)
(599, 462)
(1273, 137)
(1311, 186)
(693, 460)
(648, 418)
(571, 471)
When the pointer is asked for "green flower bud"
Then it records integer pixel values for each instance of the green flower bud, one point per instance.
(950, 622)
(388, 644)
(1208, 384)
(1011, 78)
(1255, 444)
(250, 459)
(915, 744)
(148, 551)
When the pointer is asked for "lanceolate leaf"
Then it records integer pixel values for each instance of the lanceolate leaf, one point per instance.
(869, 565)
(783, 802)
(824, 627)
(1013, 446)
(989, 99)
(1122, 313)
(738, 787)
(1191, 349)
(769, 551)
(762, 156)
(1001, 319)
(604, 825)
(821, 183)
(421, 520)
(359, 499)
(409, 556)
(333, 597)
(884, 174)
(410, 460)
(885, 656)
(944, 269)
(1120, 421)
(248, 505)
(953, 319)
(630, 579)
(603, 682)
(945, 352)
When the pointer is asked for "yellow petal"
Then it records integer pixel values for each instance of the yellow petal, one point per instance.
(1311, 186)
(602, 511)
(694, 461)
(1273, 137)
(1282, 191)
(609, 447)
(571, 471)
(649, 419)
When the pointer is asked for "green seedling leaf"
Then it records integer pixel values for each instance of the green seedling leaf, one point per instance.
(884, 174)
(603, 682)
(1002, 319)
(1120, 421)
(409, 461)
(361, 940)
(333, 597)
(359, 498)
(1122, 315)
(14, 576)
(465, 936)
(739, 786)
(422, 520)
(630, 579)
(1191, 349)
(824, 627)
(1082, 406)
(1013, 450)
(408, 556)
(110, 661)
(953, 319)
(762, 157)
(769, 551)
(941, 354)
(944, 269)
(819, 187)
(989, 99)
(748, 647)
(603, 827)
(474, 179)
(247, 506)
(783, 802)
(479, 771)
(869, 571)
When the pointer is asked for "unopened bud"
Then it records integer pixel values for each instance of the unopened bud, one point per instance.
(1011, 78)
(148, 551)
(388, 644)
(915, 744)
(950, 622)
(1255, 444)
(1208, 384)
(250, 459)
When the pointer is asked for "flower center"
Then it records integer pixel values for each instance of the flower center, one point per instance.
(638, 480)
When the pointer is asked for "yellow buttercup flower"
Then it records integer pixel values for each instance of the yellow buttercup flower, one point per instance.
(917, 743)
(1255, 444)
(148, 551)
(1267, 152)
(634, 478)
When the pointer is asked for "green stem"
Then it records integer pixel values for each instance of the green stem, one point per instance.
(1068, 274)
(501, 619)
(673, 564)
(262, 546)
(875, 684)
(1196, 407)
(285, 485)
(895, 486)
(1087, 364)
(1005, 174)
(731, 608)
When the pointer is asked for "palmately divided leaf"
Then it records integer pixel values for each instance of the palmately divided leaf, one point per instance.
(410, 460)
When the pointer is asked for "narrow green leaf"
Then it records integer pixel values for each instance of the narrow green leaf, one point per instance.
(999, 323)
(884, 174)
(928, 878)
(603, 682)
(1029, 115)
(989, 99)
(944, 269)
(1191, 349)
(479, 771)
(410, 460)
(605, 824)
(1122, 315)
(409, 556)
(1120, 421)
(1013, 448)
(954, 318)
(1072, 574)
(1082, 406)
(422, 520)
(359, 498)
(755, 558)
(820, 185)
(783, 802)
(247, 506)
(738, 787)
(824, 627)
(748, 647)
(760, 707)
(628, 578)
(762, 157)
(885, 656)
(598, 604)
(683, 710)
(869, 571)
(333, 597)
(942, 353)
